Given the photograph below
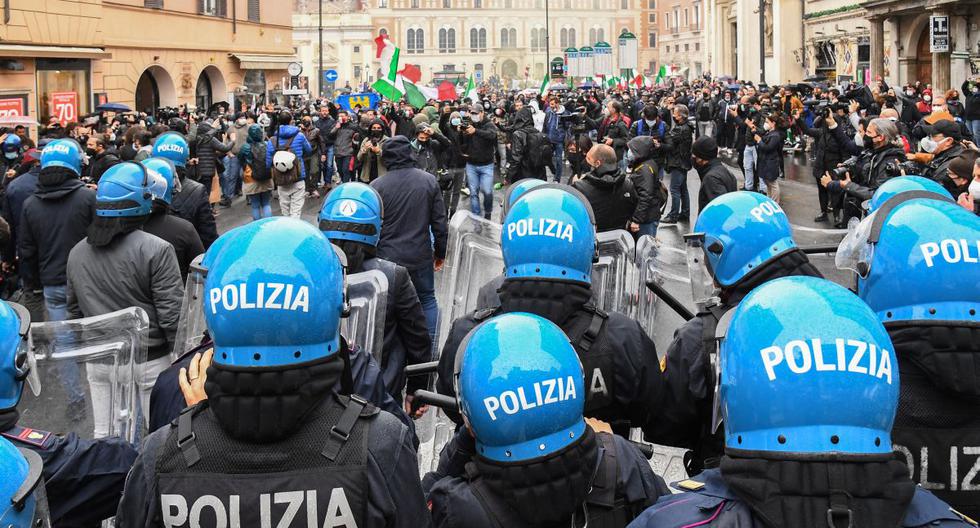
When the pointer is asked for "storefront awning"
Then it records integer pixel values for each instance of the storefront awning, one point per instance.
(52, 52)
(263, 62)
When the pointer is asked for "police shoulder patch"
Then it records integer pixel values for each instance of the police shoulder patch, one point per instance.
(26, 435)
(689, 485)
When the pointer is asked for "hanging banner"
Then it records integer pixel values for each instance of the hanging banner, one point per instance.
(603, 59)
(628, 51)
(586, 62)
(358, 101)
(64, 106)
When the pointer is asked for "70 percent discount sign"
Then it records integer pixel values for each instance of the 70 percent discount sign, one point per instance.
(11, 108)
(64, 106)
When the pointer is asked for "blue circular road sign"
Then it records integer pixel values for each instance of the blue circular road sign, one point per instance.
(330, 75)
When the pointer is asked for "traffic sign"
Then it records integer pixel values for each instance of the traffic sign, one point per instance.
(330, 76)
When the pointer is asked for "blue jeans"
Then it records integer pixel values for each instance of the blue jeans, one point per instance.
(480, 180)
(649, 228)
(424, 280)
(343, 168)
(974, 126)
(680, 201)
(751, 155)
(56, 302)
(229, 179)
(559, 160)
(326, 167)
(261, 205)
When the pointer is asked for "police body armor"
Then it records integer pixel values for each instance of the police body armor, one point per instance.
(602, 507)
(586, 331)
(315, 477)
(711, 443)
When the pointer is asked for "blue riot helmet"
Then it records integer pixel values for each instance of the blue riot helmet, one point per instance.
(172, 146)
(23, 503)
(518, 189)
(352, 211)
(11, 146)
(806, 367)
(549, 234)
(128, 189)
(916, 259)
(16, 355)
(735, 234)
(166, 169)
(63, 153)
(903, 184)
(274, 295)
(520, 387)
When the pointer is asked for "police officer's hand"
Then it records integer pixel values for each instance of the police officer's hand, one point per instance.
(192, 379)
(598, 425)
(417, 413)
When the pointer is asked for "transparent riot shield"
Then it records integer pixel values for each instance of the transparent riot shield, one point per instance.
(434, 430)
(811, 238)
(91, 375)
(665, 265)
(191, 327)
(473, 259)
(613, 276)
(367, 293)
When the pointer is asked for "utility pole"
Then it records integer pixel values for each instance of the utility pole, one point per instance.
(319, 81)
(762, 41)
(547, 38)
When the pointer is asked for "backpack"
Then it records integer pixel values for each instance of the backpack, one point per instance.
(538, 152)
(704, 111)
(285, 166)
(260, 172)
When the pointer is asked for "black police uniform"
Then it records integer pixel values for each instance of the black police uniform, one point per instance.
(406, 337)
(710, 501)
(689, 381)
(166, 399)
(623, 485)
(83, 478)
(348, 464)
(622, 371)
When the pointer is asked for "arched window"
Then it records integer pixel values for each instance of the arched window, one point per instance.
(443, 46)
(474, 40)
(411, 41)
(601, 35)
(451, 38)
(513, 37)
(571, 37)
(534, 39)
(419, 41)
(592, 36)
(483, 39)
(564, 38)
(595, 5)
(504, 38)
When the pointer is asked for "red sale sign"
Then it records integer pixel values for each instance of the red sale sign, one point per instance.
(11, 108)
(64, 106)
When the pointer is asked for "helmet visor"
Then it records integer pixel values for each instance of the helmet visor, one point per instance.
(856, 250)
(702, 282)
(721, 330)
(26, 366)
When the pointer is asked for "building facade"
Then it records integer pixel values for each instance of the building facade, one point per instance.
(755, 40)
(649, 35)
(681, 27)
(61, 59)
(500, 40)
(348, 44)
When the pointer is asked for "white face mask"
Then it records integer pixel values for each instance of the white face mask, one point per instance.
(767, 126)
(651, 122)
(859, 140)
(909, 93)
(928, 145)
(476, 118)
(975, 189)
(937, 109)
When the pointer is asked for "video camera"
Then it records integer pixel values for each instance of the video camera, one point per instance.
(900, 168)
(849, 165)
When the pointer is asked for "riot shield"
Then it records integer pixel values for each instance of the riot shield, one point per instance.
(665, 265)
(613, 275)
(434, 430)
(473, 259)
(191, 327)
(91, 373)
(808, 238)
(367, 294)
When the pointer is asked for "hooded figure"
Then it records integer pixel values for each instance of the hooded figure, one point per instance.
(372, 165)
(609, 192)
(650, 193)
(524, 159)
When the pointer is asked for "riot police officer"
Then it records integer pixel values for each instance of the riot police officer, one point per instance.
(808, 391)
(274, 439)
(21, 489)
(549, 245)
(191, 203)
(84, 477)
(904, 184)
(535, 461)
(172, 228)
(916, 263)
(351, 218)
(741, 240)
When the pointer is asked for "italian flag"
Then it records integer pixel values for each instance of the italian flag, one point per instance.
(662, 74)
(471, 91)
(544, 83)
(390, 85)
(414, 95)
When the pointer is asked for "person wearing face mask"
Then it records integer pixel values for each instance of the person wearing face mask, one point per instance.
(704, 109)
(369, 155)
(953, 104)
(12, 153)
(342, 135)
(924, 104)
(970, 200)
(971, 110)
(716, 179)
(608, 190)
(650, 192)
(724, 123)
(651, 125)
(881, 141)
(771, 153)
(910, 111)
(100, 158)
(960, 172)
(449, 124)
(940, 112)
(231, 179)
(943, 142)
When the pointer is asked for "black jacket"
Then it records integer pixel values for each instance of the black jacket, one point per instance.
(939, 167)
(52, 222)
(413, 208)
(430, 155)
(611, 195)
(617, 131)
(519, 158)
(827, 152)
(99, 164)
(207, 150)
(716, 180)
(650, 193)
(181, 235)
(191, 204)
(971, 101)
(480, 148)
(325, 126)
(678, 146)
(770, 155)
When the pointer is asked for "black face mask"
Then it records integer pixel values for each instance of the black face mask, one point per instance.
(376, 133)
(90, 152)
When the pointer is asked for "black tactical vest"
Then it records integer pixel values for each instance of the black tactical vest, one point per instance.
(316, 477)
(602, 508)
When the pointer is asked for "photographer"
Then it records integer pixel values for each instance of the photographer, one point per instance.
(430, 147)
(826, 150)
(450, 122)
(770, 149)
(943, 142)
(369, 154)
(880, 162)
(747, 122)
(478, 143)
(677, 145)
(342, 134)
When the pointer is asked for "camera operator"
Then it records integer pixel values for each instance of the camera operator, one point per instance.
(942, 140)
(369, 155)
(430, 147)
(881, 160)
(478, 143)
(827, 152)
(613, 130)
(747, 121)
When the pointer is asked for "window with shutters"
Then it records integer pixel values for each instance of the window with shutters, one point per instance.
(154, 4)
(504, 38)
(419, 41)
(253, 10)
